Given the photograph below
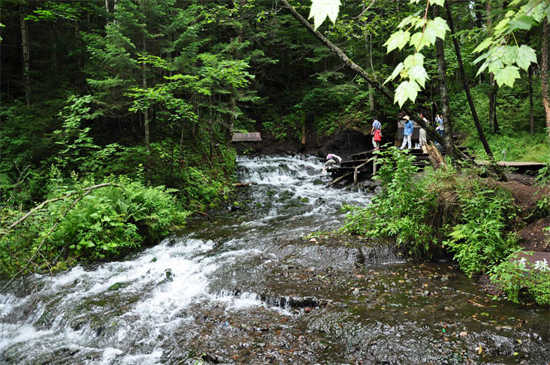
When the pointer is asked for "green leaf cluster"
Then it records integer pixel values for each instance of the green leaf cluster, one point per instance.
(478, 238)
(435, 210)
(522, 282)
(502, 54)
(105, 224)
(399, 211)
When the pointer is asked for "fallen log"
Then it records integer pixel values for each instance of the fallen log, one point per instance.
(339, 179)
(238, 185)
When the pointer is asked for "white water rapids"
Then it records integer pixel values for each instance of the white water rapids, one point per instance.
(123, 312)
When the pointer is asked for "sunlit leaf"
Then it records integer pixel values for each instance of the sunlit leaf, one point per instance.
(321, 9)
(397, 40)
(395, 72)
(416, 59)
(495, 65)
(524, 22)
(407, 90)
(526, 56)
(507, 76)
(418, 41)
(441, 27)
(510, 55)
(418, 74)
(483, 45)
(438, 2)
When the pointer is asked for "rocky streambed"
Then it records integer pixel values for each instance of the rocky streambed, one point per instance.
(252, 286)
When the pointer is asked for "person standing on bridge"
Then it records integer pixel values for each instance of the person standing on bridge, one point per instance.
(407, 132)
(422, 139)
(440, 128)
(376, 133)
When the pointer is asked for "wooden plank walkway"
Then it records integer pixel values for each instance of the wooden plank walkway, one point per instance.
(363, 165)
(518, 165)
(246, 137)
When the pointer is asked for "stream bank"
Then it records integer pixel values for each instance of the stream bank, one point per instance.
(253, 286)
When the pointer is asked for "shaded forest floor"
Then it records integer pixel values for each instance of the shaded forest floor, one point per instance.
(532, 236)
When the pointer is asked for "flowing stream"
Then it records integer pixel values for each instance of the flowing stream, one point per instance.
(249, 287)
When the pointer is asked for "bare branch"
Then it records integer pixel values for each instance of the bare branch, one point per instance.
(37, 251)
(39, 206)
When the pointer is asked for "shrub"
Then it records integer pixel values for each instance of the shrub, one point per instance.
(522, 281)
(469, 216)
(479, 237)
(401, 210)
(106, 222)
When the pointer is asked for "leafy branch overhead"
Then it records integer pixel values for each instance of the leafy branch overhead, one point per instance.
(500, 57)
(417, 31)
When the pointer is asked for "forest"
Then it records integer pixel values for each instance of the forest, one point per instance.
(117, 115)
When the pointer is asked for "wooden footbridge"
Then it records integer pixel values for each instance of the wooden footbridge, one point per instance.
(363, 165)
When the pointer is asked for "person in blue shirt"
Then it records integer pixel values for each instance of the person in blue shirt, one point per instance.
(407, 132)
(376, 133)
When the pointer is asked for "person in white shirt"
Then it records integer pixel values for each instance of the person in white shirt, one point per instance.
(332, 160)
(440, 127)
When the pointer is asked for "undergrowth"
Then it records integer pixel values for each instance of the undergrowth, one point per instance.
(87, 221)
(450, 210)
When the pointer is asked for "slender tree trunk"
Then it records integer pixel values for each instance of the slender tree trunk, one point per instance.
(544, 74)
(493, 87)
(493, 92)
(26, 56)
(107, 10)
(371, 89)
(466, 85)
(146, 120)
(531, 112)
(114, 11)
(444, 91)
(232, 118)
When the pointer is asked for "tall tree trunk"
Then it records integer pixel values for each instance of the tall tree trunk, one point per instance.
(544, 74)
(531, 112)
(371, 89)
(493, 87)
(26, 56)
(466, 85)
(107, 10)
(444, 91)
(146, 119)
(493, 92)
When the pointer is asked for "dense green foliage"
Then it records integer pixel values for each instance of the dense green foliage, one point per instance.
(438, 208)
(402, 209)
(522, 281)
(480, 237)
(521, 146)
(107, 221)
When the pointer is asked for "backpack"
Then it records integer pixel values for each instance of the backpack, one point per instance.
(377, 136)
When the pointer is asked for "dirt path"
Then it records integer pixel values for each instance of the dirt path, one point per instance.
(533, 236)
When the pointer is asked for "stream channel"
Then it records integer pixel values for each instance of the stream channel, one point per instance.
(246, 287)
